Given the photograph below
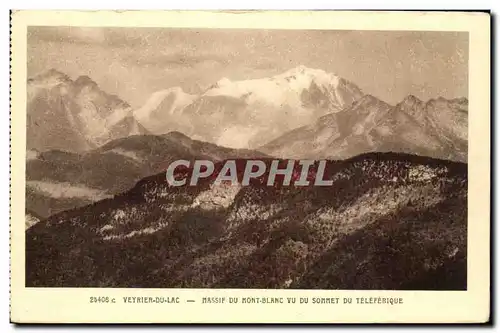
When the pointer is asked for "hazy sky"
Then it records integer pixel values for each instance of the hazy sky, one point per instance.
(133, 63)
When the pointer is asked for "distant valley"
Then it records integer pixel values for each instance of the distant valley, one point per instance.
(57, 180)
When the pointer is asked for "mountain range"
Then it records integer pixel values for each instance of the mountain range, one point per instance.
(389, 221)
(436, 128)
(59, 180)
(74, 116)
(249, 113)
(99, 212)
(301, 113)
(85, 145)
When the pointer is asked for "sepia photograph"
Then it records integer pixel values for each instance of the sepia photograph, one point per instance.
(109, 108)
(247, 159)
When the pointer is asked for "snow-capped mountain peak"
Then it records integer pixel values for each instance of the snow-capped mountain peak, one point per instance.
(48, 79)
(282, 89)
(80, 114)
(170, 101)
(302, 77)
(248, 113)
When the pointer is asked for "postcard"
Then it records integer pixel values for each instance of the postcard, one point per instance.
(250, 167)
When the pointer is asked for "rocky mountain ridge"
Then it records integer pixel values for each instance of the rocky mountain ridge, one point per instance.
(389, 221)
(436, 128)
(58, 181)
(74, 116)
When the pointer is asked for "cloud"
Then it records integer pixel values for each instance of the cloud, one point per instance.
(175, 60)
(108, 37)
(66, 35)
